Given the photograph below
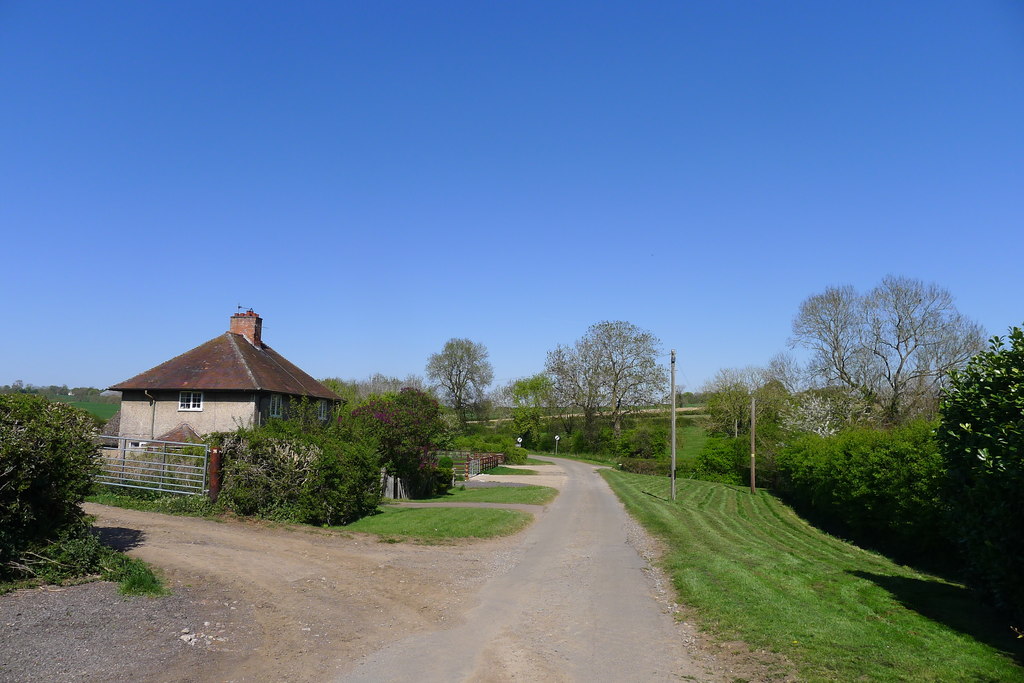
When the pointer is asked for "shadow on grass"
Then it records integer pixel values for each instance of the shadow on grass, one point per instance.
(957, 607)
(119, 538)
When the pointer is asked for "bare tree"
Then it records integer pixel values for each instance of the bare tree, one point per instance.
(785, 369)
(576, 383)
(614, 365)
(630, 374)
(894, 344)
(462, 372)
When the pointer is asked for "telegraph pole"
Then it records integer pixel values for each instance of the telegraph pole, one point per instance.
(673, 424)
(753, 430)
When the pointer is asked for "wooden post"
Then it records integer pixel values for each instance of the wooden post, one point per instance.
(214, 474)
(673, 424)
(753, 431)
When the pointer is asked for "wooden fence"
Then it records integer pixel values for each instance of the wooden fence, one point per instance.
(467, 464)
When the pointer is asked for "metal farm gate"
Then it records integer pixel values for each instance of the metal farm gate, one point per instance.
(167, 466)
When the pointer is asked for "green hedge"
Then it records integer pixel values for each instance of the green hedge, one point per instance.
(723, 459)
(982, 439)
(883, 488)
(281, 473)
(47, 464)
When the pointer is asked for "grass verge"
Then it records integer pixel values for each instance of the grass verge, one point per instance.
(528, 495)
(501, 469)
(167, 503)
(757, 572)
(441, 524)
(81, 558)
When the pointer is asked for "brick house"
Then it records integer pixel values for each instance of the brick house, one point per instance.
(234, 380)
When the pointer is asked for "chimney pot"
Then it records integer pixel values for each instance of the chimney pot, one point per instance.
(250, 326)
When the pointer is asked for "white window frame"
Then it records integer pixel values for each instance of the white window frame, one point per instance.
(276, 408)
(322, 410)
(187, 401)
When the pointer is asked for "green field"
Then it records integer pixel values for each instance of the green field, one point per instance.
(104, 411)
(756, 572)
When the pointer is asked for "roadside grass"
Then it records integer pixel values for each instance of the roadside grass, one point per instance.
(755, 571)
(535, 461)
(528, 495)
(74, 561)
(501, 469)
(150, 501)
(441, 523)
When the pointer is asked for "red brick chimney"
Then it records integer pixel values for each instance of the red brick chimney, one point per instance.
(250, 326)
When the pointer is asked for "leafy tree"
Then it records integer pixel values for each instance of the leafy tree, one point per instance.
(981, 437)
(529, 398)
(463, 373)
(894, 344)
(407, 426)
(728, 400)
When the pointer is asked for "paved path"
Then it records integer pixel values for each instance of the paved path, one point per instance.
(575, 602)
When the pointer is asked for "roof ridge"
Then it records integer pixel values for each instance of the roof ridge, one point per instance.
(241, 357)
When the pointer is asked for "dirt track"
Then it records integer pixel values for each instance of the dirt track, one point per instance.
(569, 598)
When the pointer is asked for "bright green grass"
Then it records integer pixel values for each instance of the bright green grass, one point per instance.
(501, 469)
(167, 503)
(440, 523)
(757, 572)
(689, 440)
(104, 411)
(529, 495)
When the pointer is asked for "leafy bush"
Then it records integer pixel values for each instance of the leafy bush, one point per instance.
(281, 472)
(723, 460)
(881, 487)
(981, 436)
(47, 462)
(445, 474)
(406, 426)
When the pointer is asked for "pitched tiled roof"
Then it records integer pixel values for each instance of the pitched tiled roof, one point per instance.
(230, 363)
(183, 433)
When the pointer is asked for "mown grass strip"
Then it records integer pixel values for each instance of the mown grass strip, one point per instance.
(528, 495)
(501, 469)
(757, 572)
(440, 523)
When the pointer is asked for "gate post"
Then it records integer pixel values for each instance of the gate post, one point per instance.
(214, 474)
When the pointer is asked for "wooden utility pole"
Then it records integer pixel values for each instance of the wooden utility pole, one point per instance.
(673, 424)
(753, 431)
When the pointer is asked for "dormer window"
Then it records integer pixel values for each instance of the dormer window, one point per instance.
(190, 400)
(276, 405)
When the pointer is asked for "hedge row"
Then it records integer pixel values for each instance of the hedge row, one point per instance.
(47, 464)
(883, 488)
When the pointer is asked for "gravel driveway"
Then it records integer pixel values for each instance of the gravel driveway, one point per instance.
(572, 598)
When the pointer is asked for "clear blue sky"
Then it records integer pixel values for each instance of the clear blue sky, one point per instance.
(375, 178)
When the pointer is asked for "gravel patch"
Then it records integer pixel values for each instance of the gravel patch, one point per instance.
(91, 633)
